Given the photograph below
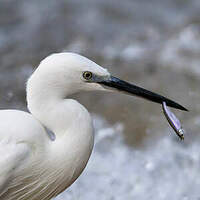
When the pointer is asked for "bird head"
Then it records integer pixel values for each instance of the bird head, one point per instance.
(69, 73)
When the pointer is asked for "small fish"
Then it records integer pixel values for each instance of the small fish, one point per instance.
(173, 121)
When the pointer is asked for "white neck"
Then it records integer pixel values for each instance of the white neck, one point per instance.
(47, 102)
(56, 78)
(72, 126)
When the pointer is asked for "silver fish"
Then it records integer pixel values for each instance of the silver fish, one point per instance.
(173, 121)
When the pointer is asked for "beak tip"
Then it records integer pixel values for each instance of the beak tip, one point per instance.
(185, 109)
(182, 108)
(178, 106)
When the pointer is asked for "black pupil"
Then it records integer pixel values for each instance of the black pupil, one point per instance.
(88, 75)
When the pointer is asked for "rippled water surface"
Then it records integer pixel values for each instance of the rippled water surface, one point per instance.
(152, 43)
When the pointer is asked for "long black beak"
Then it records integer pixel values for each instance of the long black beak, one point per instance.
(140, 92)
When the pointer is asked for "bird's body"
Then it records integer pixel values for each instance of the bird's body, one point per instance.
(35, 166)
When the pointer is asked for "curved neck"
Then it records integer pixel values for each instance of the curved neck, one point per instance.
(49, 106)
(72, 126)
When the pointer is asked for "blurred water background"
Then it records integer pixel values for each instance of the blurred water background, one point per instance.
(152, 43)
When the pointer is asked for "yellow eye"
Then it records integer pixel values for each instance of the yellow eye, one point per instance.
(87, 75)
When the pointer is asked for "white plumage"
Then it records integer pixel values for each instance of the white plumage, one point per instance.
(35, 166)
(32, 165)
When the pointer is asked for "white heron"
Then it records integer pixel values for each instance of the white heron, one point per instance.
(34, 166)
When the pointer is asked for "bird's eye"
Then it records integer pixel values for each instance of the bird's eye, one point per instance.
(87, 75)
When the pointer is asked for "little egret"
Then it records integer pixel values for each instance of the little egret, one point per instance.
(34, 166)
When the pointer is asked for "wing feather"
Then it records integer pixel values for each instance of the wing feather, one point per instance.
(12, 155)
